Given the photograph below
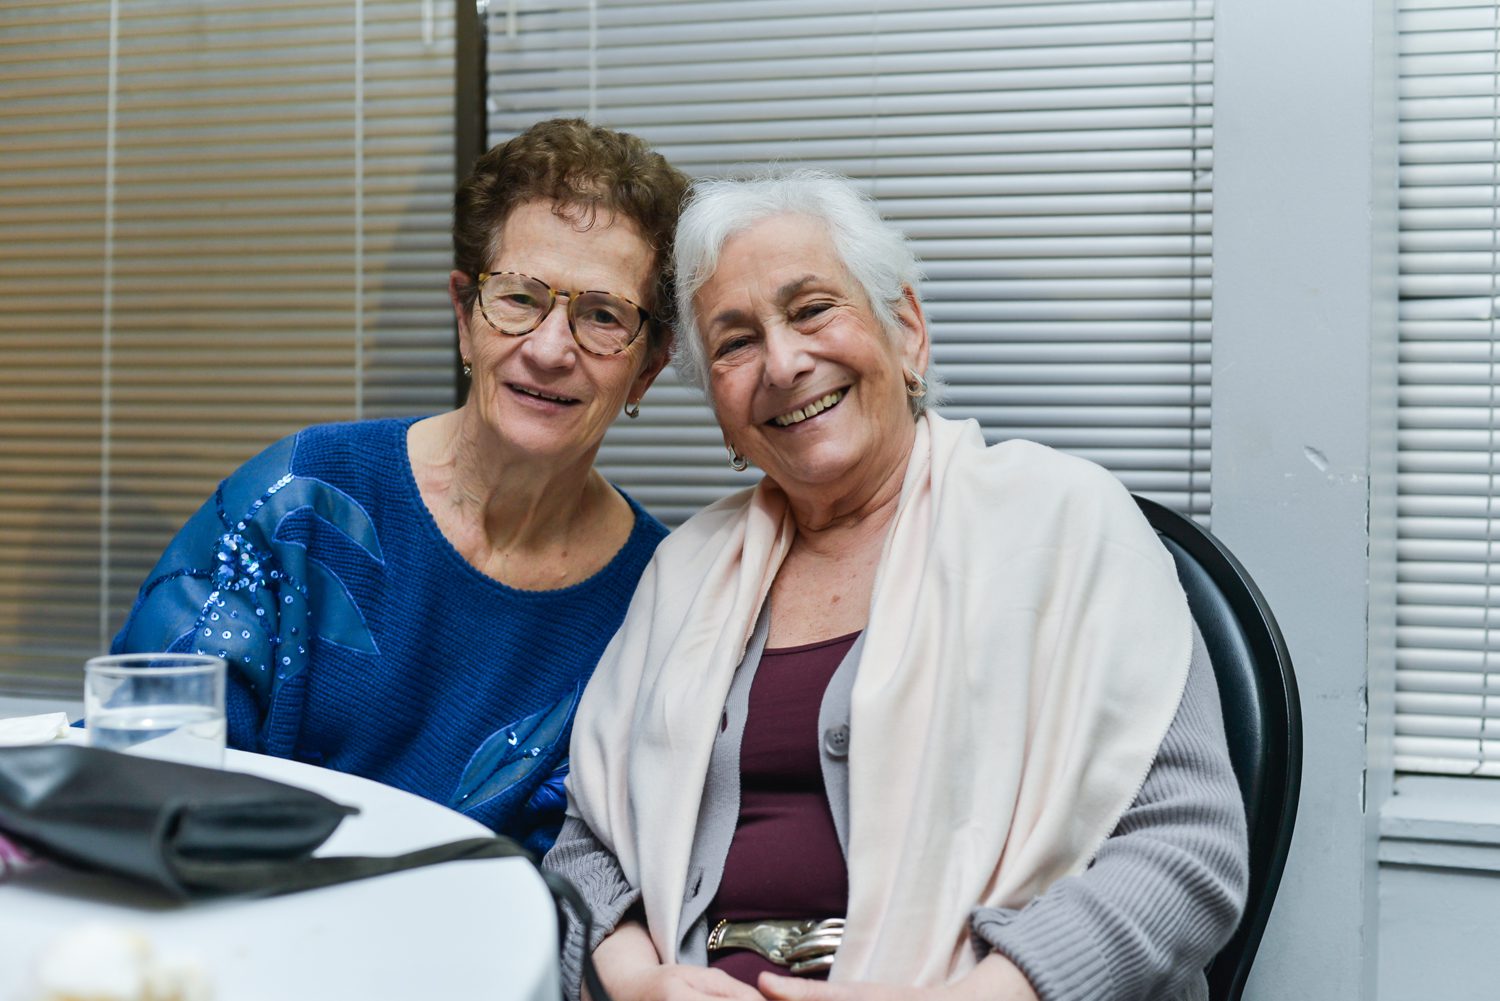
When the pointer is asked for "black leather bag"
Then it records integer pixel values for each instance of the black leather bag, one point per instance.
(158, 822)
(199, 833)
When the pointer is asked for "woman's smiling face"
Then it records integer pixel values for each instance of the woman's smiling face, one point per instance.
(802, 378)
(543, 395)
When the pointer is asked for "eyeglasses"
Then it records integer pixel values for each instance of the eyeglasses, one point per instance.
(602, 323)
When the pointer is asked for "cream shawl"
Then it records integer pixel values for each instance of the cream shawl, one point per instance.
(1026, 650)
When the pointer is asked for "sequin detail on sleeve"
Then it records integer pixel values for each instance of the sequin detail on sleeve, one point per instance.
(228, 586)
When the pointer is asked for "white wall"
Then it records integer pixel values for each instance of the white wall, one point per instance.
(1437, 934)
(1439, 887)
(1304, 333)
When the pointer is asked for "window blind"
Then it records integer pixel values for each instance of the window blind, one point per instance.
(1052, 163)
(1448, 629)
(224, 220)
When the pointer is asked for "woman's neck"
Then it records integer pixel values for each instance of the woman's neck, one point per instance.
(835, 556)
(852, 509)
(531, 524)
(848, 533)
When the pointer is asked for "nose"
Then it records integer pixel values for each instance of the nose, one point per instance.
(786, 356)
(551, 344)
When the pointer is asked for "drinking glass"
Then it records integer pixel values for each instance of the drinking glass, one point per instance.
(160, 705)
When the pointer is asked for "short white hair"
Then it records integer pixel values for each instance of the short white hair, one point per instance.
(873, 251)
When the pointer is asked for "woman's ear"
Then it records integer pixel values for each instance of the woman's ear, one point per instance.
(655, 362)
(911, 322)
(457, 283)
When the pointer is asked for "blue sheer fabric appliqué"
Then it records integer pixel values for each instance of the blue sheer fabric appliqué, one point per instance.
(519, 770)
(229, 586)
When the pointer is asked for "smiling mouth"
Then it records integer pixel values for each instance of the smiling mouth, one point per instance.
(813, 409)
(538, 394)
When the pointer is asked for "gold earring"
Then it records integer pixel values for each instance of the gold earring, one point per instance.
(632, 409)
(468, 369)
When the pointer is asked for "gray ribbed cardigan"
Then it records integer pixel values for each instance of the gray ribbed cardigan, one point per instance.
(1162, 895)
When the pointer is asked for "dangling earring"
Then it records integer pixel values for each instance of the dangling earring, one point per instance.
(916, 386)
(737, 462)
(632, 409)
(468, 369)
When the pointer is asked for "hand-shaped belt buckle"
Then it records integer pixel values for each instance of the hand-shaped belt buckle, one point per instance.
(802, 946)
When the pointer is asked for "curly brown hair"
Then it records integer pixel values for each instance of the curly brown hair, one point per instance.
(582, 169)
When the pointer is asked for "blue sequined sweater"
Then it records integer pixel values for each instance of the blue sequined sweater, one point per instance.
(359, 639)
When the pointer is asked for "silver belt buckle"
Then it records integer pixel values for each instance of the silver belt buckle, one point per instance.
(802, 946)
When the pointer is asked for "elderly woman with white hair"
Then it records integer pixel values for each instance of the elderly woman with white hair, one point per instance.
(911, 714)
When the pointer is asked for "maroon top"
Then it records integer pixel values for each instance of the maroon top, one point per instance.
(785, 860)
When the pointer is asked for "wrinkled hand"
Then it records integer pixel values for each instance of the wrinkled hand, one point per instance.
(994, 979)
(631, 971)
(680, 983)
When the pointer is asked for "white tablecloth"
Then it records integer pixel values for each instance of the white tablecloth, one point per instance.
(460, 931)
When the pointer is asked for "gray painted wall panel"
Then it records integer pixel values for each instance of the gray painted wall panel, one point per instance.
(1437, 934)
(1298, 337)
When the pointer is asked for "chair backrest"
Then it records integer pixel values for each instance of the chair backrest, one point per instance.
(1262, 719)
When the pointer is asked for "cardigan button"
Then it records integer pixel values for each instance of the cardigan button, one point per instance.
(836, 740)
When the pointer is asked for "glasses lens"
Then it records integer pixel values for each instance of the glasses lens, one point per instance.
(605, 324)
(514, 303)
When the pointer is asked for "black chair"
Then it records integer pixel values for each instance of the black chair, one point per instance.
(1262, 719)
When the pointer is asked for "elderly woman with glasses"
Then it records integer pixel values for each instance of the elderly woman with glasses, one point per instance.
(420, 601)
(911, 713)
